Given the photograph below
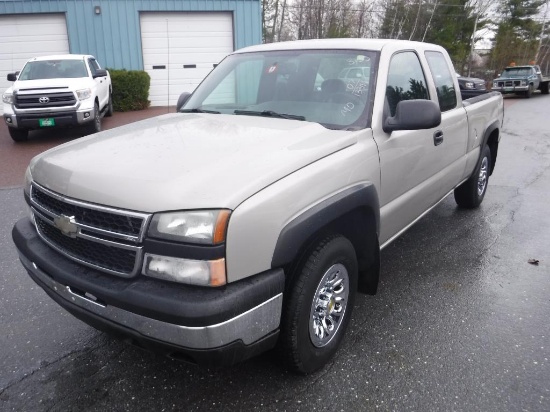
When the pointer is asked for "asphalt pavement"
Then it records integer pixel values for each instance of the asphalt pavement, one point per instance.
(460, 322)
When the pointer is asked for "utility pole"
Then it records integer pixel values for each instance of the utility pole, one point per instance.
(472, 46)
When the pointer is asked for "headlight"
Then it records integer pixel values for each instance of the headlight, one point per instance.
(84, 94)
(193, 272)
(524, 82)
(469, 85)
(495, 84)
(200, 226)
(7, 98)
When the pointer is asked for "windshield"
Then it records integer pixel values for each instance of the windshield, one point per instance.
(517, 71)
(53, 69)
(330, 87)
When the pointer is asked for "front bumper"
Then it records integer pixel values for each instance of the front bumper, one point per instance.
(67, 118)
(209, 326)
(510, 89)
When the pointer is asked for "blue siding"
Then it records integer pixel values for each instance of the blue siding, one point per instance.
(114, 35)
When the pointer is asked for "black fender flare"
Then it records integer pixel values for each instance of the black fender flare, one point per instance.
(355, 213)
(494, 150)
(490, 129)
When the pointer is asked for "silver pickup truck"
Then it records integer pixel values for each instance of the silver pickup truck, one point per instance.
(254, 216)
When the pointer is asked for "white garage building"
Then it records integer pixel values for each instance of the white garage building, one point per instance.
(176, 42)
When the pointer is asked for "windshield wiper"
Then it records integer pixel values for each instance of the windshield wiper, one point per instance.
(270, 113)
(197, 110)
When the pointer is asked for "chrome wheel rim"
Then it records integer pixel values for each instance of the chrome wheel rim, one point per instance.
(329, 305)
(482, 178)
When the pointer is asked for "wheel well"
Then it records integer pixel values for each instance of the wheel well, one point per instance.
(492, 142)
(359, 227)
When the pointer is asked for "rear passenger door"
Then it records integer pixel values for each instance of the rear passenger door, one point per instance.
(453, 130)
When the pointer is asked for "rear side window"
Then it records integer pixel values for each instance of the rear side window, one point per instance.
(406, 80)
(444, 84)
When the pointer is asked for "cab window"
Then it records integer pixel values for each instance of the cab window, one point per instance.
(406, 80)
(444, 83)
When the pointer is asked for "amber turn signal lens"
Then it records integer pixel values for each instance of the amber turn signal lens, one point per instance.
(221, 226)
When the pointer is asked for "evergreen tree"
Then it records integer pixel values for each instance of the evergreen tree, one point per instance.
(516, 38)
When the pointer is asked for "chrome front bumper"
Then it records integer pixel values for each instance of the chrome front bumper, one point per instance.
(247, 327)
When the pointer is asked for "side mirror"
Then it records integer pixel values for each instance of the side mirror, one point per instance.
(182, 100)
(413, 115)
(100, 73)
(12, 77)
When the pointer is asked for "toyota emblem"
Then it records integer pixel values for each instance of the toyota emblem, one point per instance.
(44, 100)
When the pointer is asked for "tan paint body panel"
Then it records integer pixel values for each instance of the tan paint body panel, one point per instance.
(184, 161)
(256, 224)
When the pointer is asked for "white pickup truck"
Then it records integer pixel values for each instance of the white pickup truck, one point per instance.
(57, 91)
(253, 216)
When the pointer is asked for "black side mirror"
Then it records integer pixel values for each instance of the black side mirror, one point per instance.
(100, 73)
(12, 77)
(413, 115)
(182, 100)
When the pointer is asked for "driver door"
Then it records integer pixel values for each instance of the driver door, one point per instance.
(408, 158)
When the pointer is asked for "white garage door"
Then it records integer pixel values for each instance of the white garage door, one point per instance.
(180, 49)
(25, 36)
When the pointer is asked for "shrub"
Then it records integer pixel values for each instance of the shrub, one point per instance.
(130, 89)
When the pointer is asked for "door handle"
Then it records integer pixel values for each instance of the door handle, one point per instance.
(438, 138)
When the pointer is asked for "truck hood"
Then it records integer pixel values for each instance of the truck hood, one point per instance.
(184, 161)
(72, 84)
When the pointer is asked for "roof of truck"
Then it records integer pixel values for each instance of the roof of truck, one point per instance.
(363, 44)
(61, 57)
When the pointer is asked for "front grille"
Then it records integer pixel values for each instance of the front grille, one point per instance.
(104, 238)
(123, 224)
(32, 101)
(509, 83)
(107, 257)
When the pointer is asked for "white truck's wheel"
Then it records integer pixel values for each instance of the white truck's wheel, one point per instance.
(95, 125)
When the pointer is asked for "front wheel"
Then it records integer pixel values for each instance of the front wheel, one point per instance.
(319, 306)
(95, 125)
(19, 135)
(529, 91)
(470, 194)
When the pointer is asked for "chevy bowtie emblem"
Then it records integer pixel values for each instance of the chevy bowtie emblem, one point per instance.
(44, 100)
(67, 225)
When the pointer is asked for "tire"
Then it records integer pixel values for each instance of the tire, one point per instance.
(109, 110)
(95, 125)
(318, 310)
(19, 135)
(470, 194)
(529, 92)
(544, 87)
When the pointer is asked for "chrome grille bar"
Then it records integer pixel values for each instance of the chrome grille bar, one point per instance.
(115, 252)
